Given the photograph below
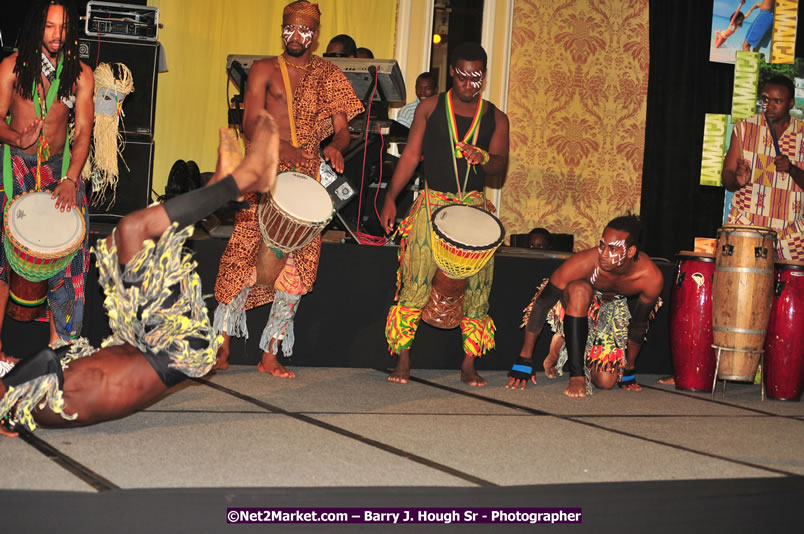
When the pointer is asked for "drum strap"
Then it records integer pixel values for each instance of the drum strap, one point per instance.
(43, 152)
(283, 68)
(474, 128)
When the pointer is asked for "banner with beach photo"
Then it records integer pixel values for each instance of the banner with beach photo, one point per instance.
(764, 26)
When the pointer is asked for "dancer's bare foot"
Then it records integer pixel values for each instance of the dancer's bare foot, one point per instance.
(401, 373)
(577, 387)
(271, 366)
(222, 358)
(667, 380)
(257, 171)
(229, 155)
(6, 358)
(552, 357)
(469, 375)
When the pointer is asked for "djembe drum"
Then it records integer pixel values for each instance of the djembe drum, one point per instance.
(784, 345)
(741, 298)
(691, 322)
(463, 239)
(293, 214)
(40, 242)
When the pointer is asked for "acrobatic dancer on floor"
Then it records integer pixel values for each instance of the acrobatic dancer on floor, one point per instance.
(161, 332)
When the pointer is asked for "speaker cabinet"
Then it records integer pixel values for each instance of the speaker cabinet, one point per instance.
(142, 59)
(134, 181)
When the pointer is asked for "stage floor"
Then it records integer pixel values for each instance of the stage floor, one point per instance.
(345, 437)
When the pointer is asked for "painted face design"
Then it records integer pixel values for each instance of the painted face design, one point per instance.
(616, 251)
(304, 32)
(475, 77)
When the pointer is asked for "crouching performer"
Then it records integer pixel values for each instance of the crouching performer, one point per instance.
(161, 329)
(585, 303)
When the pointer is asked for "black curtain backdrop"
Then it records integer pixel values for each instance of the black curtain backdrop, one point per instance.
(683, 86)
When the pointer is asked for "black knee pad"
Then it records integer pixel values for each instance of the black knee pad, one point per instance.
(44, 362)
(189, 208)
(541, 307)
(576, 330)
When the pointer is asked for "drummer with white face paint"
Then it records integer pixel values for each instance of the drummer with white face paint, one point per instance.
(311, 100)
(461, 139)
(585, 302)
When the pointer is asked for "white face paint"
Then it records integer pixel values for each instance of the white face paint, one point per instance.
(474, 77)
(617, 252)
(304, 32)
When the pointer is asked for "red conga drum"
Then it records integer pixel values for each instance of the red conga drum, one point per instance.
(784, 344)
(691, 322)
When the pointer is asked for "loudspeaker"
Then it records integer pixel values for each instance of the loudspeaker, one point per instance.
(142, 59)
(134, 181)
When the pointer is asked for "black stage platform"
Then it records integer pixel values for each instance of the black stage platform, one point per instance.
(341, 323)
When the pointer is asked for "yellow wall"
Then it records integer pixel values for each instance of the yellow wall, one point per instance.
(576, 104)
(197, 36)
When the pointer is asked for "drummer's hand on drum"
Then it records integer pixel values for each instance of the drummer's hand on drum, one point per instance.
(66, 194)
(289, 154)
(388, 216)
(334, 157)
(743, 172)
(30, 134)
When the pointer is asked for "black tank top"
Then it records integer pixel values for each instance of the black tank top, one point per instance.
(437, 165)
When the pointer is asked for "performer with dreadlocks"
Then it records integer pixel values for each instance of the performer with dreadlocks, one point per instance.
(311, 99)
(585, 301)
(42, 87)
(161, 331)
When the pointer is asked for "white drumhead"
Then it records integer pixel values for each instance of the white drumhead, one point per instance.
(468, 225)
(302, 197)
(35, 223)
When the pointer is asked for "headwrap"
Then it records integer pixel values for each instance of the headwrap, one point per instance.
(302, 7)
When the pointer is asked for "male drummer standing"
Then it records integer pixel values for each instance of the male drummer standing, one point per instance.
(323, 103)
(769, 186)
(481, 143)
(593, 314)
(42, 86)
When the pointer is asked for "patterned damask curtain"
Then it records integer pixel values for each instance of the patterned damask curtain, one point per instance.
(576, 103)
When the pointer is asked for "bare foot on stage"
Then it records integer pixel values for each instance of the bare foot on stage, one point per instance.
(257, 170)
(229, 156)
(222, 358)
(469, 375)
(577, 387)
(552, 357)
(401, 373)
(271, 366)
(667, 380)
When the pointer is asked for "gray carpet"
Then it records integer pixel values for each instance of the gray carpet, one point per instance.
(343, 437)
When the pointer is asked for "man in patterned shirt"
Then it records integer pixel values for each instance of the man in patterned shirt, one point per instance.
(322, 103)
(769, 182)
